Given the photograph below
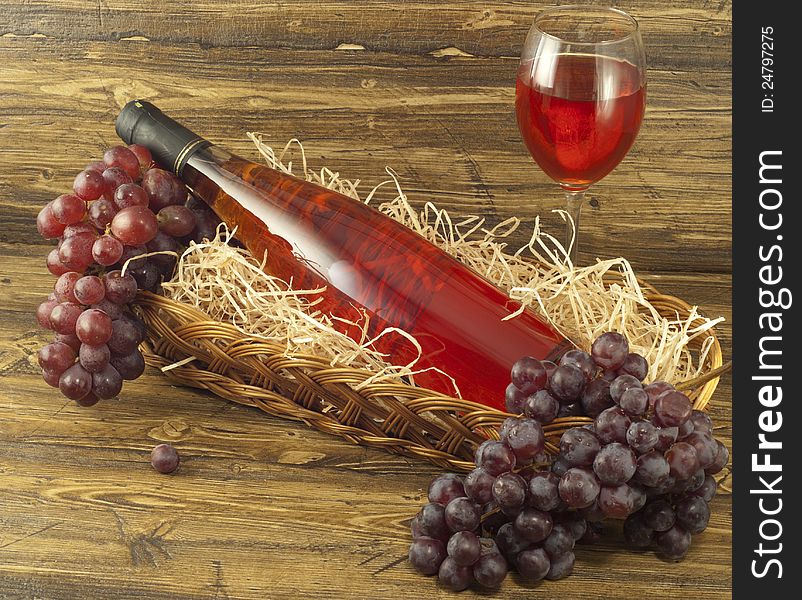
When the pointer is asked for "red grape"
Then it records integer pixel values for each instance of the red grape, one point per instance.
(490, 570)
(206, 229)
(612, 425)
(136, 322)
(634, 401)
(528, 374)
(579, 446)
(131, 253)
(54, 264)
(96, 165)
(114, 177)
(541, 406)
(115, 311)
(674, 543)
(579, 487)
(653, 469)
(693, 514)
(509, 490)
(582, 361)
(179, 221)
(134, 225)
(465, 548)
(143, 155)
(89, 290)
(51, 377)
(107, 382)
(129, 366)
(426, 554)
(89, 400)
(64, 316)
(78, 228)
(56, 357)
(610, 350)
(526, 440)
(75, 382)
(615, 464)
(44, 311)
(46, 223)
(125, 337)
(93, 327)
(672, 409)
(617, 501)
(682, 460)
(107, 250)
(442, 489)
(496, 458)
(162, 242)
(635, 365)
(163, 188)
(479, 486)
(642, 436)
(544, 491)
(130, 194)
(70, 339)
(123, 158)
(721, 460)
(68, 209)
(76, 251)
(89, 185)
(596, 397)
(533, 525)
(705, 446)
(621, 384)
(94, 358)
(146, 274)
(462, 514)
(164, 459)
(120, 289)
(432, 521)
(101, 212)
(453, 576)
(567, 383)
(65, 287)
(533, 564)
(561, 566)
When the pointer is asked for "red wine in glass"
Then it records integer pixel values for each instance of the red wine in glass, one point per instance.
(580, 96)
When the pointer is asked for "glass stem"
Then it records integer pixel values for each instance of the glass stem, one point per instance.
(574, 200)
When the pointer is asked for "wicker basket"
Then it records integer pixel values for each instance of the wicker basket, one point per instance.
(396, 417)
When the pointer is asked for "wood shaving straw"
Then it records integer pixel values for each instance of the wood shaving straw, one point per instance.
(228, 284)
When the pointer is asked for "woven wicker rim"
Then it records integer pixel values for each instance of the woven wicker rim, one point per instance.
(396, 417)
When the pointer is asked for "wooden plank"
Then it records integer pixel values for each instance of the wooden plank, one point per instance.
(83, 513)
(688, 35)
(447, 128)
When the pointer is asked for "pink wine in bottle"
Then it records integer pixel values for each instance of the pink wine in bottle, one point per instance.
(370, 266)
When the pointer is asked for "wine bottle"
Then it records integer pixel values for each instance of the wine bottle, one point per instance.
(369, 266)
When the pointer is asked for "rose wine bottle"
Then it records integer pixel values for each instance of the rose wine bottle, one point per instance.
(371, 268)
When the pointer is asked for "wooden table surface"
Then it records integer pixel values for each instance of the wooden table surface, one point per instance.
(264, 508)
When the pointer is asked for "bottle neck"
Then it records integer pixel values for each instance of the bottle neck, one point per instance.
(170, 143)
(206, 164)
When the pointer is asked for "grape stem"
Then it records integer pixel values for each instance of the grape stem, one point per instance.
(145, 255)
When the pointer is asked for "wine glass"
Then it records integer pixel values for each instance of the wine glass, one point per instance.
(580, 96)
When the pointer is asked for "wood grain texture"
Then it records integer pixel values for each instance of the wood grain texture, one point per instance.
(263, 508)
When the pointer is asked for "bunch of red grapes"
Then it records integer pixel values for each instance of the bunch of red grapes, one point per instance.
(121, 207)
(647, 458)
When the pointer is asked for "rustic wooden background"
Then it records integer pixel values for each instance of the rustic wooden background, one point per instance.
(263, 508)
